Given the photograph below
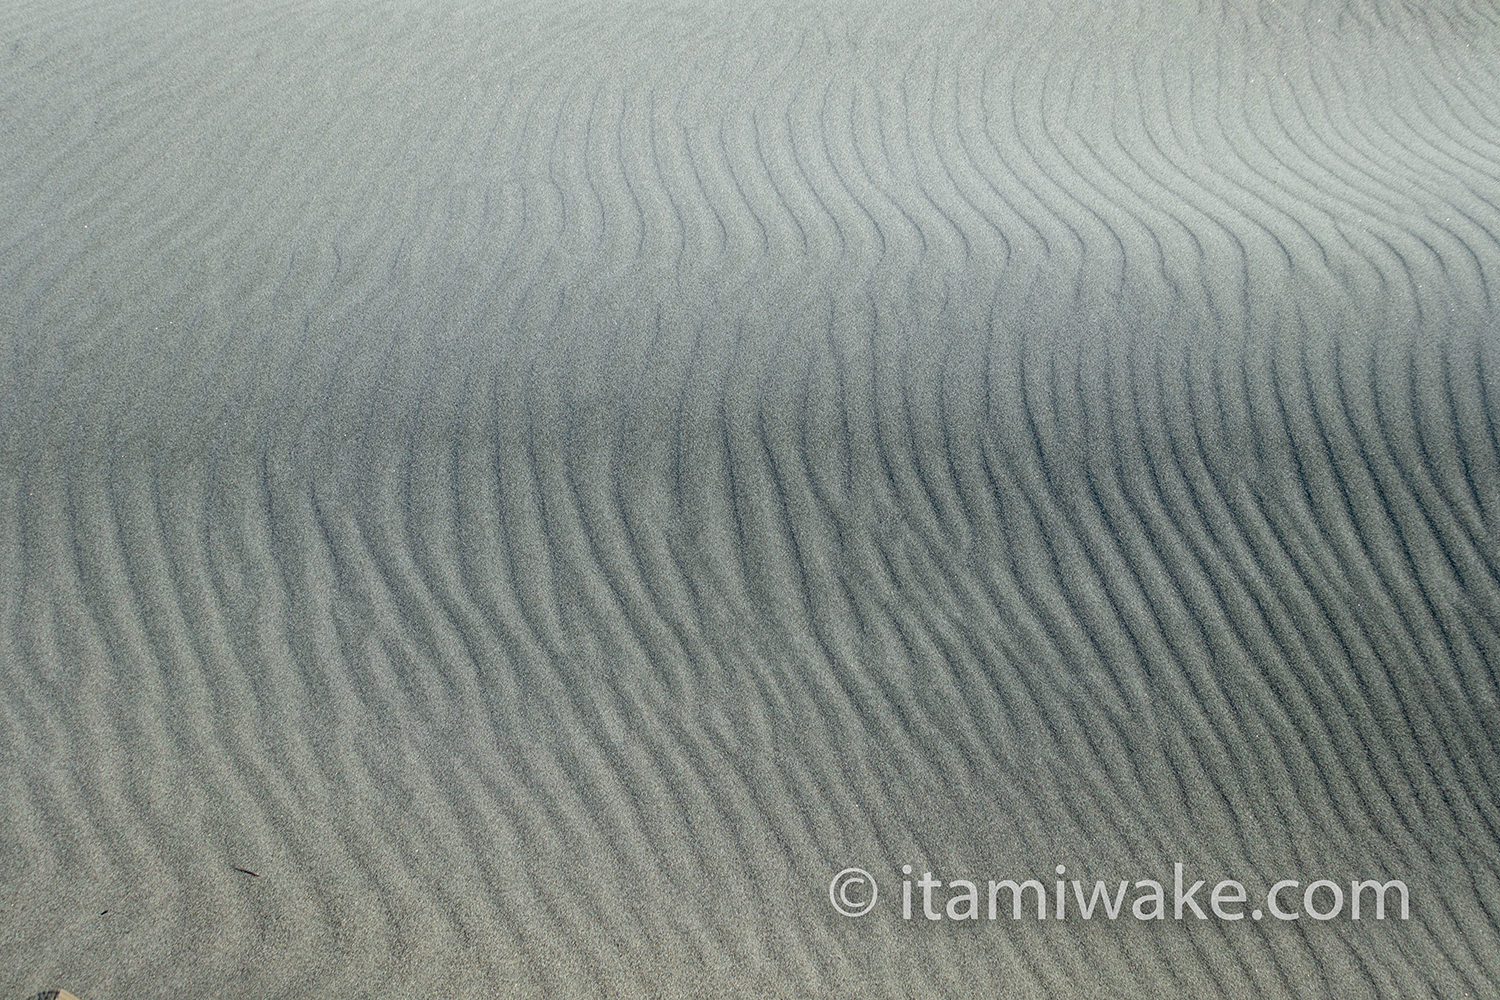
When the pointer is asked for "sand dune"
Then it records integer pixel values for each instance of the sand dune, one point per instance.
(509, 502)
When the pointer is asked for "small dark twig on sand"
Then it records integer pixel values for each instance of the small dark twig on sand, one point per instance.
(246, 871)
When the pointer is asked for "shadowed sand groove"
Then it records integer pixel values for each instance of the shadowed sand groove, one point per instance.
(544, 488)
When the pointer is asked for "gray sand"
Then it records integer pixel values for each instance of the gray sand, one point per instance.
(507, 503)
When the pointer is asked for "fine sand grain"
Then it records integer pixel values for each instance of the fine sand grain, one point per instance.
(506, 501)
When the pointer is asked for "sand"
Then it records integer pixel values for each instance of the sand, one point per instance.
(508, 501)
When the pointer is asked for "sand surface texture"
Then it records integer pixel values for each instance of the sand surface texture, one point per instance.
(506, 501)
